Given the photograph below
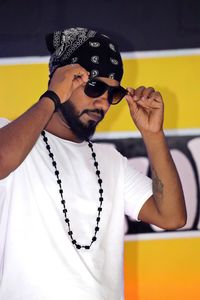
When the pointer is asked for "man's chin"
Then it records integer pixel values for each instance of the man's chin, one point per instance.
(85, 132)
(82, 127)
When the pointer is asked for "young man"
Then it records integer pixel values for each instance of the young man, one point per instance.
(62, 198)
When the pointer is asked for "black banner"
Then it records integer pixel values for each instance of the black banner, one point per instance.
(136, 25)
(185, 151)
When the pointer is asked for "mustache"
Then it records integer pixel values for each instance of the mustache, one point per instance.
(98, 111)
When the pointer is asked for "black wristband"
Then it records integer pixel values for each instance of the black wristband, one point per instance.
(54, 97)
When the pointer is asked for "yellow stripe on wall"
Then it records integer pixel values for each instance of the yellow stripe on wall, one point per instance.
(21, 86)
(162, 269)
(177, 78)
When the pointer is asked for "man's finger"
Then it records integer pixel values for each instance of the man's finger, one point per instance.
(138, 93)
(147, 92)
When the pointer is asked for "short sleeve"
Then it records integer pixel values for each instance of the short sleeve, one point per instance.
(137, 190)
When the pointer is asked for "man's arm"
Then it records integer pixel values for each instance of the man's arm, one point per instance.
(18, 137)
(166, 208)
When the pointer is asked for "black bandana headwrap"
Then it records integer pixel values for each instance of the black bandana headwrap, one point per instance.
(94, 51)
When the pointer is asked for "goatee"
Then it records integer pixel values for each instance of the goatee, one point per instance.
(72, 117)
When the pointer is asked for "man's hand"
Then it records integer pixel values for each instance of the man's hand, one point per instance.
(66, 79)
(146, 108)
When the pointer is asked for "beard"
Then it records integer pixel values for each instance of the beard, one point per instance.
(72, 117)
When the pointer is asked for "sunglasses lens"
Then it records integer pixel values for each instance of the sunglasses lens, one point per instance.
(116, 95)
(95, 88)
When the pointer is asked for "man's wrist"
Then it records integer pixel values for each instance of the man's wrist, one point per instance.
(153, 139)
(53, 97)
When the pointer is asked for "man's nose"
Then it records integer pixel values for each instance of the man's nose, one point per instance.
(102, 102)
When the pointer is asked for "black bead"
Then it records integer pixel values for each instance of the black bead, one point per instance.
(67, 220)
(54, 163)
(45, 139)
(56, 172)
(100, 181)
(65, 210)
(51, 155)
(90, 144)
(96, 164)
(101, 199)
(70, 232)
(78, 246)
(98, 172)
(61, 191)
(93, 154)
(96, 228)
(101, 191)
(63, 202)
(43, 133)
(87, 247)
(98, 219)
(74, 242)
(48, 147)
(94, 238)
(59, 181)
(99, 209)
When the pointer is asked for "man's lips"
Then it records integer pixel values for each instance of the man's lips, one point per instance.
(95, 116)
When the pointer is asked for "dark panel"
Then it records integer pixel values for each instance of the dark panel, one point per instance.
(137, 25)
(134, 148)
(190, 17)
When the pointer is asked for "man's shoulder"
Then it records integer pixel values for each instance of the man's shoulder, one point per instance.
(107, 149)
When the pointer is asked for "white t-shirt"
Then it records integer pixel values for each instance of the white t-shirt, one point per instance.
(37, 258)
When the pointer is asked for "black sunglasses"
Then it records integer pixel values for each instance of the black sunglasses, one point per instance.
(95, 88)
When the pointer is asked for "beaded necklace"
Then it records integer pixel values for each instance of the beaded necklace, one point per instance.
(63, 202)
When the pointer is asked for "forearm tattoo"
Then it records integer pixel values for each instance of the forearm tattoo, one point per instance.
(157, 186)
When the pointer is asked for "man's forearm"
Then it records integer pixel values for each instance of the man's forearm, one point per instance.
(18, 137)
(167, 189)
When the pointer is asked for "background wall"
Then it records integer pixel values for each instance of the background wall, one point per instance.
(160, 44)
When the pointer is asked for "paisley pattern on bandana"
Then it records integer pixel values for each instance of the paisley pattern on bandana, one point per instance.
(112, 47)
(94, 51)
(94, 73)
(114, 61)
(94, 44)
(112, 76)
(95, 59)
(74, 60)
